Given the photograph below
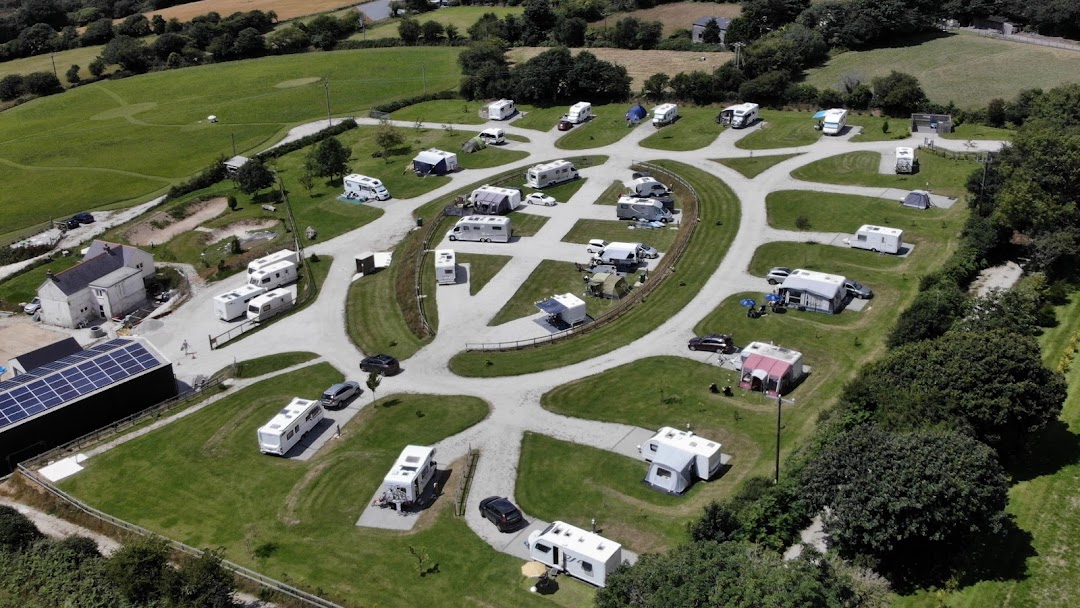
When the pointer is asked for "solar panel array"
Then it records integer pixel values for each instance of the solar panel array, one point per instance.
(71, 377)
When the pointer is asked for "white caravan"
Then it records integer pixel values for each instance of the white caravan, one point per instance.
(492, 136)
(289, 426)
(740, 116)
(579, 112)
(647, 209)
(679, 458)
(404, 485)
(269, 305)
(579, 553)
(565, 307)
(234, 304)
(664, 114)
(274, 275)
(483, 228)
(905, 160)
(646, 186)
(285, 255)
(364, 187)
(549, 174)
(445, 267)
(878, 238)
(834, 122)
(501, 110)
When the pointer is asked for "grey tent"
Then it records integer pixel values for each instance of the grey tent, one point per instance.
(636, 114)
(670, 470)
(918, 199)
(607, 285)
(473, 145)
(488, 202)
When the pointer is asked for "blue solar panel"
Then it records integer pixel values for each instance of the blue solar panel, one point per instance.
(71, 377)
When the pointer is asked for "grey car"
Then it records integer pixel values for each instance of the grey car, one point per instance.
(858, 290)
(339, 394)
(648, 252)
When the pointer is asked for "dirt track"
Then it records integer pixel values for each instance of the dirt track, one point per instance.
(144, 233)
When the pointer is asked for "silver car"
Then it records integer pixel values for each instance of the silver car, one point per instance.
(777, 275)
(339, 394)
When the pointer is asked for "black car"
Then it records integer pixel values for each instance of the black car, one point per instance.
(83, 218)
(383, 364)
(502, 513)
(717, 343)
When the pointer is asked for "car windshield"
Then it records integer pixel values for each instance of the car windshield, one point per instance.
(855, 285)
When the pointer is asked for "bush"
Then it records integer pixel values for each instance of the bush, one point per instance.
(209, 176)
(303, 142)
(396, 105)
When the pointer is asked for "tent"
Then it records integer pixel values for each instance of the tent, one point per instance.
(434, 162)
(636, 114)
(608, 285)
(670, 470)
(473, 145)
(918, 199)
(770, 369)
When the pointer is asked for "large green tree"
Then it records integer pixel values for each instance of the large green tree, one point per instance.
(254, 176)
(898, 94)
(17, 532)
(329, 159)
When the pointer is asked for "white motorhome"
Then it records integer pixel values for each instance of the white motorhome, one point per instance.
(650, 210)
(679, 458)
(619, 254)
(364, 187)
(834, 122)
(905, 160)
(493, 200)
(445, 267)
(579, 112)
(579, 553)
(285, 255)
(274, 275)
(289, 425)
(483, 228)
(646, 186)
(404, 485)
(549, 174)
(664, 114)
(501, 110)
(493, 136)
(878, 239)
(234, 304)
(739, 116)
(269, 305)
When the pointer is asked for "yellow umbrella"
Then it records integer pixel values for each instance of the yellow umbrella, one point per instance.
(533, 569)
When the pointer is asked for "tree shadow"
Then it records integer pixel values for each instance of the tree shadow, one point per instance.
(1002, 558)
(1050, 450)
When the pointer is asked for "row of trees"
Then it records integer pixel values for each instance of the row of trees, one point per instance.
(554, 76)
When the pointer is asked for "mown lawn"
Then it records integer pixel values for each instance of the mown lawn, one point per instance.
(202, 480)
(371, 328)
(259, 366)
(606, 127)
(549, 278)
(937, 174)
(754, 166)
(540, 119)
(976, 131)
(695, 129)
(482, 268)
(23, 287)
(611, 195)
(872, 128)
(450, 111)
(847, 212)
(526, 224)
(780, 130)
(615, 230)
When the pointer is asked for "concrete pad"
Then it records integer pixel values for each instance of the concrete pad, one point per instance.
(20, 335)
(515, 542)
(387, 518)
(857, 305)
(627, 446)
(63, 468)
(327, 429)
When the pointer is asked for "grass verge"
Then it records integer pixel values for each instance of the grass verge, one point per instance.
(259, 366)
(940, 175)
(780, 130)
(755, 165)
(695, 129)
(482, 268)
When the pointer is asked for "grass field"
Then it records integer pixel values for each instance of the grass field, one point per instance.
(539, 119)
(607, 127)
(526, 224)
(611, 195)
(937, 174)
(974, 131)
(259, 366)
(461, 17)
(780, 130)
(846, 213)
(23, 287)
(754, 166)
(434, 113)
(285, 9)
(872, 125)
(118, 142)
(369, 327)
(964, 68)
(81, 57)
(640, 64)
(549, 278)
(482, 268)
(696, 128)
(615, 230)
(676, 16)
(202, 480)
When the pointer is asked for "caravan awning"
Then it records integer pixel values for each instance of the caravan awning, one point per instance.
(673, 458)
(819, 114)
(428, 158)
(487, 196)
(757, 365)
(551, 306)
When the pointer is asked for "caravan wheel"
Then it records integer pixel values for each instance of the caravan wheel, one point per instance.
(874, 250)
(452, 237)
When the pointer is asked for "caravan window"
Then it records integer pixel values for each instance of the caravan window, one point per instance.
(499, 228)
(288, 435)
(663, 473)
(543, 548)
(652, 447)
(860, 237)
(586, 567)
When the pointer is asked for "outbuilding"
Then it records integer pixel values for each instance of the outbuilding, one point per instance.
(771, 369)
(233, 165)
(370, 262)
(435, 162)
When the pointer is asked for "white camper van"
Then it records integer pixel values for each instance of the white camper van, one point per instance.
(619, 254)
(740, 116)
(445, 267)
(493, 136)
(646, 186)
(581, 554)
(289, 426)
(483, 228)
(905, 160)
(650, 210)
(549, 174)
(878, 238)
(579, 112)
(234, 304)
(269, 305)
(664, 114)
(501, 110)
(364, 187)
(404, 485)
(274, 275)
(285, 255)
(834, 122)
(678, 459)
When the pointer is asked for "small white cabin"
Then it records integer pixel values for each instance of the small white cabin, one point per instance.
(565, 307)
(579, 112)
(878, 239)
(234, 304)
(445, 267)
(579, 553)
(404, 485)
(363, 187)
(270, 305)
(483, 228)
(678, 458)
(273, 275)
(501, 110)
(285, 255)
(289, 426)
(665, 114)
(549, 174)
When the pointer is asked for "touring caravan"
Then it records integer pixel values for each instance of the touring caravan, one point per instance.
(492, 137)
(579, 553)
(813, 291)
(878, 239)
(289, 425)
(363, 187)
(483, 228)
(501, 110)
(905, 160)
(678, 459)
(664, 114)
(632, 208)
(739, 116)
(492, 200)
(646, 186)
(285, 255)
(445, 267)
(549, 174)
(404, 485)
(579, 112)
(834, 122)
(564, 307)
(269, 305)
(274, 275)
(234, 304)
(435, 162)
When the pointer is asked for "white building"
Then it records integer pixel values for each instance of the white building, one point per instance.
(109, 282)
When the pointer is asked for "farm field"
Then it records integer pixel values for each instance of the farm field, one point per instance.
(964, 68)
(126, 140)
(938, 174)
(678, 15)
(81, 57)
(461, 17)
(285, 9)
(640, 64)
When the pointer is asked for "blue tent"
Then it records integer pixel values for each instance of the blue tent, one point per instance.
(636, 113)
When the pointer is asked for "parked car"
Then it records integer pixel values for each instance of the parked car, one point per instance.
(32, 307)
(641, 174)
(338, 394)
(565, 125)
(383, 364)
(777, 275)
(596, 245)
(501, 512)
(539, 198)
(717, 343)
(648, 252)
(83, 218)
(857, 290)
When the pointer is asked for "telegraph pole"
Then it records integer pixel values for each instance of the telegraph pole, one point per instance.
(779, 403)
(329, 121)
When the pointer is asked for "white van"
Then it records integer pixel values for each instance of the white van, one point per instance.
(878, 239)
(363, 187)
(501, 110)
(646, 186)
(664, 114)
(739, 116)
(834, 122)
(492, 136)
(269, 305)
(579, 112)
(483, 228)
(285, 255)
(234, 304)
(445, 267)
(274, 275)
(549, 174)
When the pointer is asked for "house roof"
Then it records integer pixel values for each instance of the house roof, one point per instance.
(114, 277)
(237, 161)
(78, 277)
(723, 22)
(48, 353)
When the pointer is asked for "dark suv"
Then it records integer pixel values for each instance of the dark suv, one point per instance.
(502, 513)
(383, 364)
(83, 218)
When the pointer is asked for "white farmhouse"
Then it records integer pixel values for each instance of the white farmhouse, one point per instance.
(109, 282)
